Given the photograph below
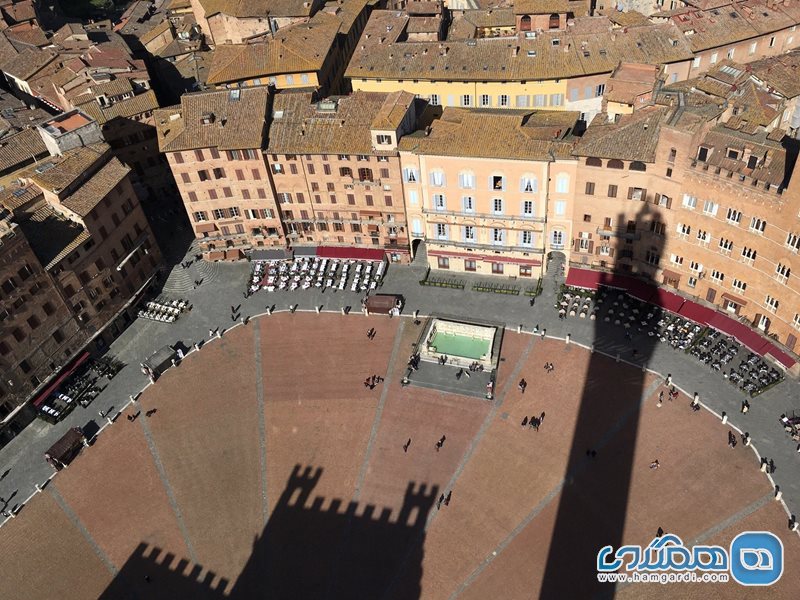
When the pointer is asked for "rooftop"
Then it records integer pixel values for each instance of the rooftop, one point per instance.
(781, 73)
(21, 148)
(550, 55)
(631, 80)
(298, 48)
(97, 187)
(130, 107)
(339, 125)
(224, 119)
(52, 236)
(632, 137)
(503, 134)
(257, 8)
(60, 172)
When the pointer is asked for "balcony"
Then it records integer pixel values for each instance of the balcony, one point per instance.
(486, 247)
(620, 233)
(477, 215)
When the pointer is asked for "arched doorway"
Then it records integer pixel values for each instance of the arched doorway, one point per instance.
(555, 21)
(525, 23)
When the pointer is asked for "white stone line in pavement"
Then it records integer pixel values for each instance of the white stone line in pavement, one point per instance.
(262, 420)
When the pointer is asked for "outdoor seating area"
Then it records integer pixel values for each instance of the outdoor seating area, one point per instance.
(304, 272)
(713, 348)
(164, 310)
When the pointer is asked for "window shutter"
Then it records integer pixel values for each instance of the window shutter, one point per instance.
(577, 244)
(630, 193)
(591, 246)
(611, 253)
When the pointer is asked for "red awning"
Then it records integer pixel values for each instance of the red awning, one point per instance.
(350, 253)
(667, 300)
(641, 290)
(696, 312)
(741, 332)
(45, 393)
(234, 254)
(781, 356)
(584, 278)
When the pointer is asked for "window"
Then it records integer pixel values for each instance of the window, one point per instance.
(522, 101)
(692, 282)
(234, 211)
(439, 202)
(498, 236)
(345, 172)
(734, 216)
(656, 227)
(367, 198)
(219, 173)
(562, 183)
(540, 100)
(526, 238)
(717, 276)
(793, 242)
(557, 239)
(637, 165)
(466, 180)
(441, 231)
(435, 100)
(782, 273)
(683, 230)
(615, 163)
(384, 140)
(200, 216)
(689, 202)
(485, 100)
(731, 52)
(714, 57)
(556, 99)
(732, 154)
(587, 218)
(525, 271)
(410, 175)
(497, 206)
(365, 175)
(219, 213)
(468, 203)
(757, 225)
(772, 42)
(178, 157)
(469, 233)
(387, 200)
(739, 285)
(437, 178)
(703, 237)
(696, 62)
(471, 265)
(675, 259)
(771, 303)
(796, 321)
(466, 100)
(669, 172)
(443, 262)
(503, 100)
(497, 182)
(284, 198)
(752, 49)
(748, 255)
(702, 154)
(527, 208)
(529, 184)
(590, 188)
(710, 208)
(612, 191)
(497, 268)
(226, 191)
(560, 208)
(277, 168)
(695, 266)
(635, 193)
(351, 198)
(725, 246)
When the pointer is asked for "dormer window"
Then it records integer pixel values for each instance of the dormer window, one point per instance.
(731, 153)
(555, 42)
(207, 118)
(384, 140)
(702, 154)
(752, 162)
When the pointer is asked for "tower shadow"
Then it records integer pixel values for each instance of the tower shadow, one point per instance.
(311, 547)
(593, 504)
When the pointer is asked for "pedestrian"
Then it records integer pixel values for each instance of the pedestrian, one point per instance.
(522, 385)
(524, 421)
(147, 578)
(407, 445)
(594, 453)
(210, 333)
(546, 366)
(731, 439)
(459, 373)
(655, 464)
(102, 414)
(541, 417)
(660, 396)
(660, 532)
(447, 498)
(534, 423)
(130, 418)
(439, 503)
(745, 407)
(771, 466)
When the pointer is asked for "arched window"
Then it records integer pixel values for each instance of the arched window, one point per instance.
(525, 23)
(365, 174)
(637, 165)
(555, 21)
(615, 163)
(594, 162)
(345, 171)
(466, 180)
(529, 184)
(562, 183)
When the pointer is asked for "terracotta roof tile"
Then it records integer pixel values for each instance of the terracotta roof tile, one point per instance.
(19, 148)
(633, 137)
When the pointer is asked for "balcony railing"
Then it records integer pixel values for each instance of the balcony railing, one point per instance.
(492, 247)
(458, 213)
(619, 233)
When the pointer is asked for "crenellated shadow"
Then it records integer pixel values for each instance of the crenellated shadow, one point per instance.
(311, 547)
(594, 502)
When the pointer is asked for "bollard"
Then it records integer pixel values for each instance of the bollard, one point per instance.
(696, 398)
(416, 314)
(724, 417)
(197, 347)
(110, 422)
(269, 311)
(366, 311)
(38, 488)
(668, 381)
(746, 438)
(567, 338)
(219, 333)
(618, 357)
(133, 398)
(764, 467)
(316, 308)
(591, 348)
(519, 328)
(544, 332)
(778, 494)
(343, 312)
(795, 526)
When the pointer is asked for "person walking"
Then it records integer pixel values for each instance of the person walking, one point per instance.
(655, 464)
(447, 498)
(522, 385)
